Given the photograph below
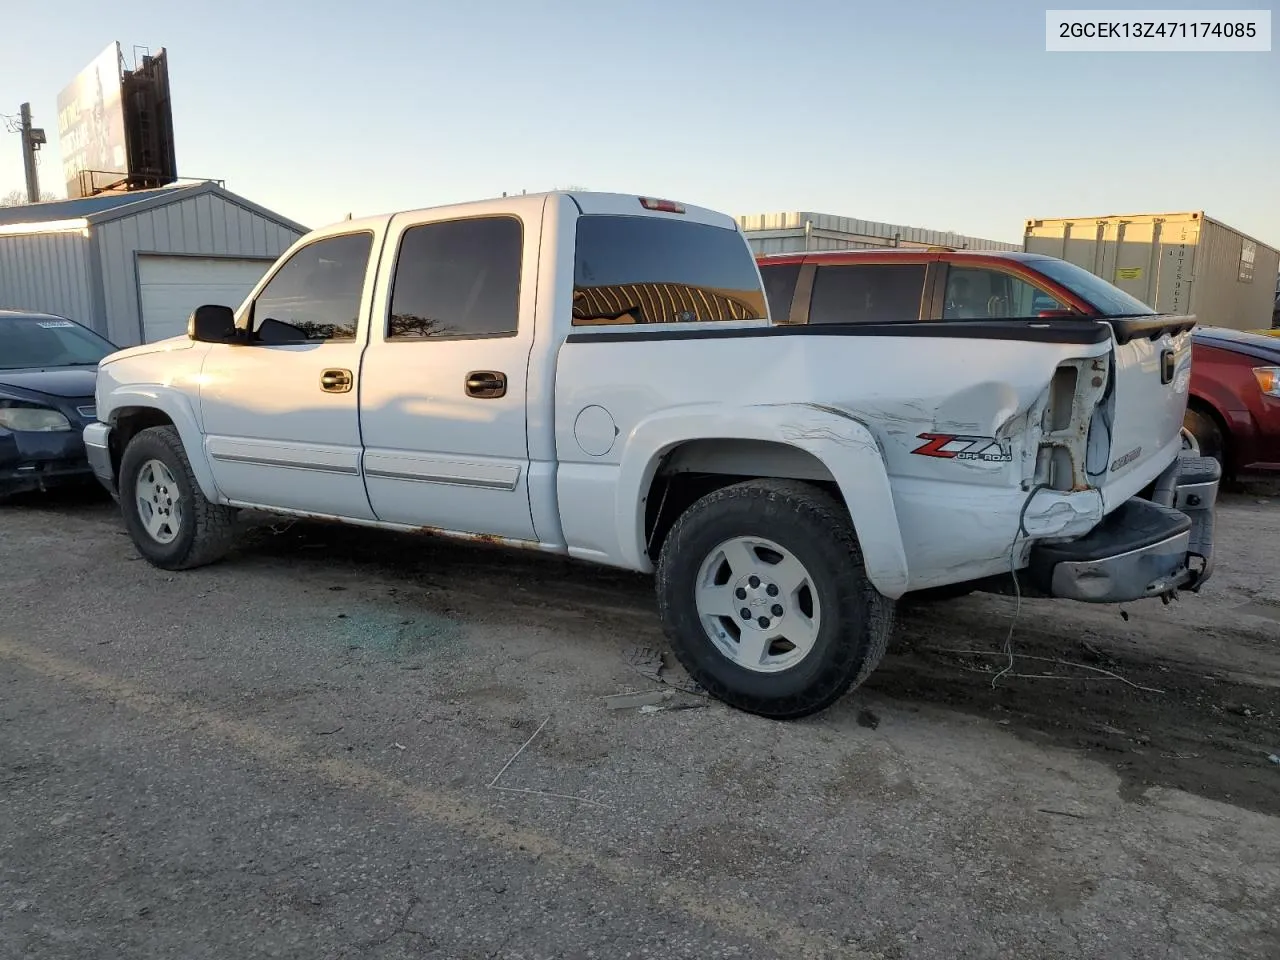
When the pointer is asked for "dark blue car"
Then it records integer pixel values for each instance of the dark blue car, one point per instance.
(48, 367)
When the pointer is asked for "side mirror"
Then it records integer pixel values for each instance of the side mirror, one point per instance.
(212, 323)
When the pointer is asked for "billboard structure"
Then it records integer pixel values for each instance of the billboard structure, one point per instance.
(91, 126)
(115, 126)
(148, 121)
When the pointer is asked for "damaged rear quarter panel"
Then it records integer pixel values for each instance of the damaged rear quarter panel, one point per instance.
(957, 517)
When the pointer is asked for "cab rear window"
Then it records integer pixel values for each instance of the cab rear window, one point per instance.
(631, 270)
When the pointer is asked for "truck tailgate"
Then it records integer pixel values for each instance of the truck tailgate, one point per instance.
(1151, 376)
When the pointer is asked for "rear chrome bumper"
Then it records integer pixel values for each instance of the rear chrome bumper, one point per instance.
(1145, 548)
(97, 447)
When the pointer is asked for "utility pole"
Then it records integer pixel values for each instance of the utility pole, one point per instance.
(32, 138)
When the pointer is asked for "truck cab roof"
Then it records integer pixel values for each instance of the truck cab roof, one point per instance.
(586, 202)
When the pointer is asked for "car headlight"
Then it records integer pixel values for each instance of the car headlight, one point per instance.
(1268, 380)
(30, 418)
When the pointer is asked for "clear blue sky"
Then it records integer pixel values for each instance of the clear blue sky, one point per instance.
(940, 114)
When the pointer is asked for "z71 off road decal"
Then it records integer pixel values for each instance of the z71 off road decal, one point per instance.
(950, 446)
(1128, 458)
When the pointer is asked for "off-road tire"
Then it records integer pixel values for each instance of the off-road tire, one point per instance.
(207, 530)
(857, 620)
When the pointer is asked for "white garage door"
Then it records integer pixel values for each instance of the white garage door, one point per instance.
(172, 287)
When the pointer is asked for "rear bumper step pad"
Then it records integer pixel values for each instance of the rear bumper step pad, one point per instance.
(1140, 550)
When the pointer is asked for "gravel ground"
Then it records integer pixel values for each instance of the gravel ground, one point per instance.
(302, 752)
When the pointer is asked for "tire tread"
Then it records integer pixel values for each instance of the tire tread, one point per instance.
(215, 532)
(855, 661)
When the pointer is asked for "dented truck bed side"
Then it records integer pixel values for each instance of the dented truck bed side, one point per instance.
(964, 426)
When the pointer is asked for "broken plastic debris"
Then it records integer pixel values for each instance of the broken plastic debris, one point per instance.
(625, 701)
(1274, 758)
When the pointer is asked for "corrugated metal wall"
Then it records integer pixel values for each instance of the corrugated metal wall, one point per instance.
(846, 233)
(202, 225)
(1221, 298)
(48, 272)
(1174, 262)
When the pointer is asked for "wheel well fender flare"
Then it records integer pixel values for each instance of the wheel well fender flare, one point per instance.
(176, 406)
(842, 443)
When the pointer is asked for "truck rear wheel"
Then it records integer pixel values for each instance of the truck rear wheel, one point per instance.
(171, 521)
(764, 597)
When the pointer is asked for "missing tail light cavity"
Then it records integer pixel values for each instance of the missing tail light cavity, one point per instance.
(1077, 387)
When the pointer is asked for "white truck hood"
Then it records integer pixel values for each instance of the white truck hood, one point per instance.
(143, 349)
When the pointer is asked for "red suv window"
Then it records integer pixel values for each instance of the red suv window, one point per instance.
(980, 293)
(867, 293)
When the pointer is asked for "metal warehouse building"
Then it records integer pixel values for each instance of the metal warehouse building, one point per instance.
(770, 233)
(134, 265)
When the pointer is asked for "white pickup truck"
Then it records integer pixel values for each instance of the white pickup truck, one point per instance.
(598, 375)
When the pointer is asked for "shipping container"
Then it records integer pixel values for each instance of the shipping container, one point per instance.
(1182, 263)
(799, 232)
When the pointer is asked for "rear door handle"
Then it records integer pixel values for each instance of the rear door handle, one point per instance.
(486, 384)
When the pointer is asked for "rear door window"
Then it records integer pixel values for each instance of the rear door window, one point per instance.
(867, 293)
(975, 293)
(458, 278)
(630, 270)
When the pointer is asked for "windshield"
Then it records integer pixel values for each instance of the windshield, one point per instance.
(48, 342)
(1108, 299)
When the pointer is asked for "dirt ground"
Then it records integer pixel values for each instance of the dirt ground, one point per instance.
(303, 752)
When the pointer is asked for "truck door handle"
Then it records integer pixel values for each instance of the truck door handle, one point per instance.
(335, 380)
(486, 384)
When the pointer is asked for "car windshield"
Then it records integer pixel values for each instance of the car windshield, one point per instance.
(1108, 299)
(48, 342)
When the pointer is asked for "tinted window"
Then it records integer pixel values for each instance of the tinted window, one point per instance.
(978, 294)
(48, 342)
(457, 279)
(651, 270)
(867, 293)
(1108, 299)
(780, 288)
(318, 289)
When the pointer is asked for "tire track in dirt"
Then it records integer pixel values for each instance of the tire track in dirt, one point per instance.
(1206, 733)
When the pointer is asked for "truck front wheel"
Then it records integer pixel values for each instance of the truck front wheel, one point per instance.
(171, 521)
(764, 597)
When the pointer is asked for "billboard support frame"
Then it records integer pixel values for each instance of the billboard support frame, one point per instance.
(116, 125)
